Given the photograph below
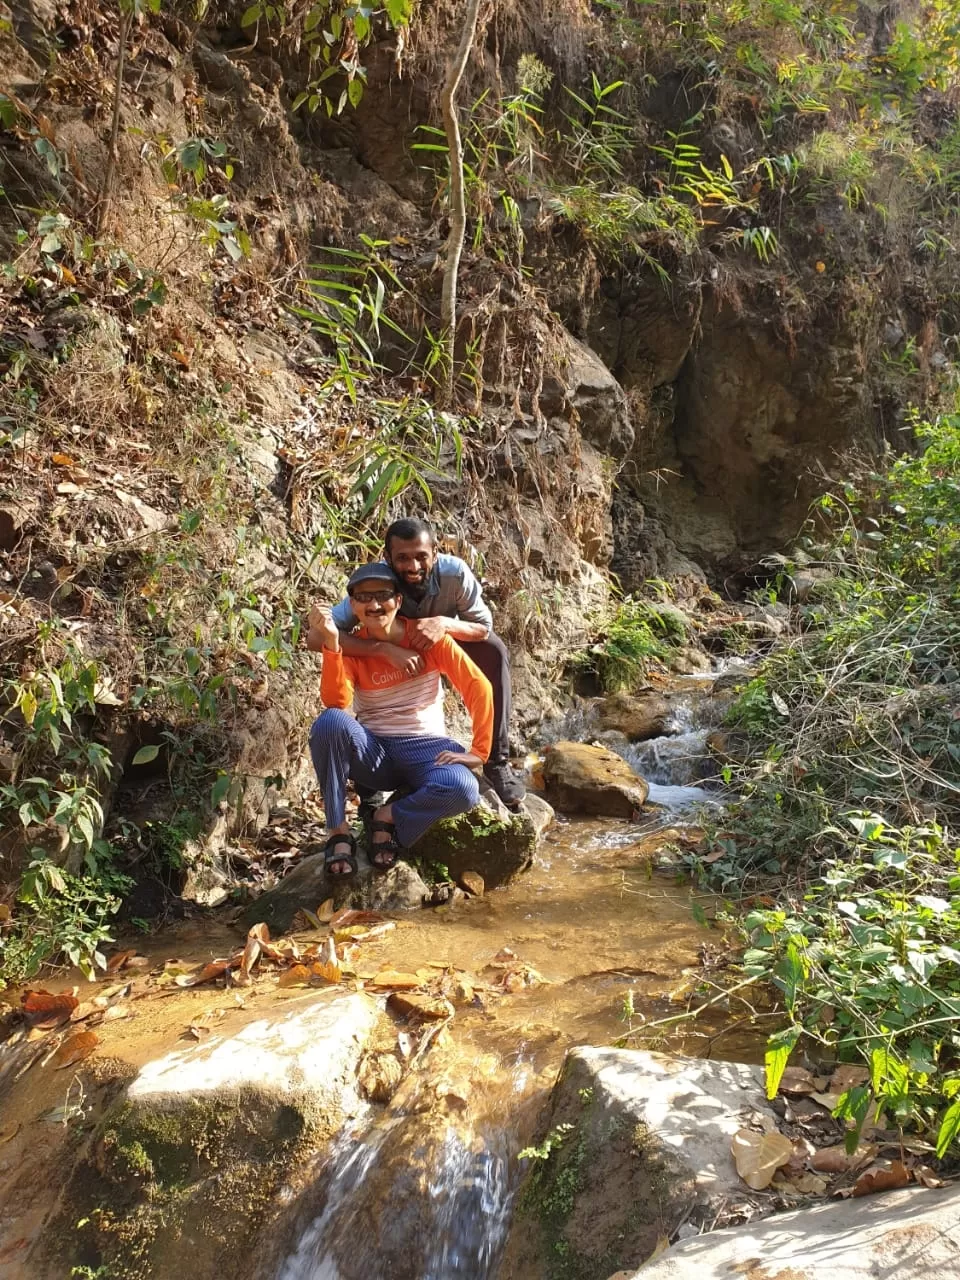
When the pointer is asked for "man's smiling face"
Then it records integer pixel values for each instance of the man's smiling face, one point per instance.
(375, 602)
(412, 560)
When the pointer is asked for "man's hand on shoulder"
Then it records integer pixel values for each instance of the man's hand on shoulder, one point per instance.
(425, 632)
(406, 660)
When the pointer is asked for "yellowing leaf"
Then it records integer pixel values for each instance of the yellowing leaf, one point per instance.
(325, 911)
(327, 966)
(759, 1155)
(821, 267)
(76, 1049)
(298, 976)
(886, 1177)
(398, 981)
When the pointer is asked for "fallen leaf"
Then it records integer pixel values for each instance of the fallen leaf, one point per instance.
(397, 980)
(5, 913)
(828, 1100)
(759, 1155)
(364, 933)
(75, 1049)
(405, 1044)
(45, 1010)
(251, 953)
(67, 488)
(806, 1184)
(199, 1030)
(926, 1177)
(119, 961)
(112, 995)
(325, 911)
(836, 1160)
(115, 1013)
(847, 1077)
(298, 976)
(260, 932)
(62, 460)
(884, 1177)
(797, 1080)
(327, 966)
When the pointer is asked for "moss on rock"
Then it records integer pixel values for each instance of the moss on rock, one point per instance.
(481, 841)
(187, 1189)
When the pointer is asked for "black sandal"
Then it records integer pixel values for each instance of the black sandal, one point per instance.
(329, 856)
(391, 847)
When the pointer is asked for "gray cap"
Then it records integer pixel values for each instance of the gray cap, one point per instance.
(378, 572)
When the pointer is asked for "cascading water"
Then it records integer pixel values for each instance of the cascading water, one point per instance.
(416, 1198)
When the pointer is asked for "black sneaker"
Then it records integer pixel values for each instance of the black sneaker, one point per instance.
(507, 783)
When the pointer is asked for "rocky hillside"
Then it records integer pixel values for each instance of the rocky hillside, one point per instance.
(710, 252)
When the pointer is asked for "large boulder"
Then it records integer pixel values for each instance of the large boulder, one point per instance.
(904, 1235)
(584, 779)
(640, 1145)
(640, 717)
(185, 1168)
(496, 845)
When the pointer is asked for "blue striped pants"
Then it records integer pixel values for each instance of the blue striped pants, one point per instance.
(341, 749)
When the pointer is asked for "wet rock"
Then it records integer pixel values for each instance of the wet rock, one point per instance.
(379, 1076)
(186, 1167)
(482, 841)
(472, 883)
(307, 885)
(903, 1235)
(538, 811)
(419, 1007)
(658, 1130)
(639, 717)
(689, 661)
(587, 779)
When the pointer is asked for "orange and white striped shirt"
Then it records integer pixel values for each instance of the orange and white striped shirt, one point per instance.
(393, 704)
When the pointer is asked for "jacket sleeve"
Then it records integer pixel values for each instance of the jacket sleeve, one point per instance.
(474, 688)
(471, 606)
(336, 680)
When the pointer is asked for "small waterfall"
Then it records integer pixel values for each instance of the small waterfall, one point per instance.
(418, 1197)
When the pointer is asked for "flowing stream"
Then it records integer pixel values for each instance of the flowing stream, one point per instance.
(424, 1190)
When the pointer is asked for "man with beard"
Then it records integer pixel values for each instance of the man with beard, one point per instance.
(443, 598)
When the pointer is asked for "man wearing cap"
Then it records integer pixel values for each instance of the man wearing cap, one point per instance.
(397, 736)
(443, 599)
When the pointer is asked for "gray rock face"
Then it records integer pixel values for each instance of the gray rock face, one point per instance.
(644, 1147)
(903, 1235)
(586, 779)
(599, 400)
(309, 1055)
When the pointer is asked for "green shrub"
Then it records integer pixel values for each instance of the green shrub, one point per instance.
(853, 790)
(636, 635)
